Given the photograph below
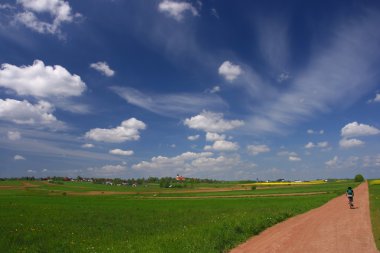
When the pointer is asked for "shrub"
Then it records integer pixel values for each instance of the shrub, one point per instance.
(253, 187)
(359, 178)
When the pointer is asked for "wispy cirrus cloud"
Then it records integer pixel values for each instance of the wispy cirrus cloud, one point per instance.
(170, 105)
(346, 65)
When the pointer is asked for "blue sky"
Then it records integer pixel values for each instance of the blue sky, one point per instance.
(210, 89)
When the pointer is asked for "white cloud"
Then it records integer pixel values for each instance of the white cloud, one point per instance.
(179, 161)
(214, 164)
(127, 131)
(223, 145)
(31, 171)
(193, 137)
(323, 144)
(215, 89)
(18, 157)
(350, 143)
(355, 129)
(212, 122)
(44, 170)
(103, 68)
(294, 158)
(257, 149)
(286, 153)
(170, 105)
(189, 164)
(311, 131)
(25, 113)
(229, 71)
(14, 135)
(87, 145)
(215, 137)
(121, 152)
(112, 169)
(310, 145)
(377, 98)
(176, 10)
(333, 162)
(59, 11)
(40, 81)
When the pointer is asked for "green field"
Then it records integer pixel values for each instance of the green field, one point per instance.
(374, 196)
(37, 219)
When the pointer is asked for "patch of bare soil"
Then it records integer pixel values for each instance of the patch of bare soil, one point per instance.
(240, 196)
(331, 228)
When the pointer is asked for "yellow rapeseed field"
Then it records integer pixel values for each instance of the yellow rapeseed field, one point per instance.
(377, 181)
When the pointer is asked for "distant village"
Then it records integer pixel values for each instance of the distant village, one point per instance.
(164, 182)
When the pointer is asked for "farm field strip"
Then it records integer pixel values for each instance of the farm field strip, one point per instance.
(116, 223)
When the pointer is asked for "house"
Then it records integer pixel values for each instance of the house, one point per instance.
(180, 178)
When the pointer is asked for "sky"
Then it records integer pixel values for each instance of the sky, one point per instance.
(230, 90)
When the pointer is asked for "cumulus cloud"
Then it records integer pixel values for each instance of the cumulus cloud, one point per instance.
(14, 135)
(87, 145)
(25, 113)
(59, 11)
(333, 162)
(103, 68)
(257, 149)
(229, 71)
(294, 158)
(18, 157)
(108, 170)
(170, 105)
(355, 129)
(351, 143)
(127, 131)
(40, 81)
(323, 144)
(212, 122)
(193, 137)
(179, 161)
(376, 99)
(311, 131)
(121, 152)
(176, 10)
(189, 164)
(223, 145)
(215, 137)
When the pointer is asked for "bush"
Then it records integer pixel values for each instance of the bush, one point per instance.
(359, 178)
(253, 187)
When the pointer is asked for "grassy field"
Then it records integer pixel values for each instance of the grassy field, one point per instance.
(34, 220)
(374, 196)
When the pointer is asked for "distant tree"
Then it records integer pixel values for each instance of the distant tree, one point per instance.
(359, 178)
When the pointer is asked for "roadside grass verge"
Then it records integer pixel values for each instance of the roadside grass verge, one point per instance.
(374, 197)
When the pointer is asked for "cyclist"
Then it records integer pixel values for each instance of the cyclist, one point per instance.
(350, 196)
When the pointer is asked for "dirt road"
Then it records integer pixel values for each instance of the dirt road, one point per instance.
(331, 228)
